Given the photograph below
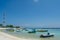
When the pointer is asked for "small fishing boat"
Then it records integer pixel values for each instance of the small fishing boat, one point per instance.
(42, 30)
(46, 36)
(31, 32)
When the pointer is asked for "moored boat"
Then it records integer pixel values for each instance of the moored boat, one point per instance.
(31, 32)
(42, 30)
(45, 36)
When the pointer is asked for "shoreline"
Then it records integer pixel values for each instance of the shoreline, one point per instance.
(5, 36)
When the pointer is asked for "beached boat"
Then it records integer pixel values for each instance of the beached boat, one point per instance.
(46, 36)
(42, 30)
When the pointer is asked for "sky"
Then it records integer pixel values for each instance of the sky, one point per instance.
(31, 13)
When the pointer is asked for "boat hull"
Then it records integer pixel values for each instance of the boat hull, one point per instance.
(46, 36)
(42, 30)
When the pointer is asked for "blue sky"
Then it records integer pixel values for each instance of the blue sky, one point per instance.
(44, 13)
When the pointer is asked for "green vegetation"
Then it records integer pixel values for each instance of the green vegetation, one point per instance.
(10, 26)
(1, 24)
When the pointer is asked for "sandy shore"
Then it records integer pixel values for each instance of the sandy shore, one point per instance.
(4, 36)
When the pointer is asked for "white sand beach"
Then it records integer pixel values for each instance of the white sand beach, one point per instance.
(4, 36)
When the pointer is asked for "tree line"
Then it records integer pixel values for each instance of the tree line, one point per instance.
(9, 26)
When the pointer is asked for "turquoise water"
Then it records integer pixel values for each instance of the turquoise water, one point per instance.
(36, 36)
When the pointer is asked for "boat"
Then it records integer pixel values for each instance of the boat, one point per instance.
(31, 32)
(46, 36)
(42, 30)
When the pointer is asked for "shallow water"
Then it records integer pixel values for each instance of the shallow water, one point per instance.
(36, 36)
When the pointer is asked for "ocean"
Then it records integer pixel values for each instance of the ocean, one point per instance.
(36, 36)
